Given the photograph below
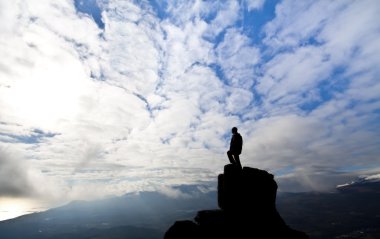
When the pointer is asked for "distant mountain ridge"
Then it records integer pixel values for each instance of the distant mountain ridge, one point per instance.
(363, 184)
(352, 211)
(346, 213)
(139, 212)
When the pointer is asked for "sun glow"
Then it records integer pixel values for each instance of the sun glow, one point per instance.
(13, 207)
(49, 95)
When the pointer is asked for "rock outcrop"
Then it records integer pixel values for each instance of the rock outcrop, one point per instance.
(247, 210)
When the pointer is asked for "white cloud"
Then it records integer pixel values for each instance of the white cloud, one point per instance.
(238, 100)
(220, 15)
(140, 105)
(286, 30)
(132, 52)
(227, 15)
(335, 49)
(254, 4)
(237, 58)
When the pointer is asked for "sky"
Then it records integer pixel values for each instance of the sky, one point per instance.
(105, 97)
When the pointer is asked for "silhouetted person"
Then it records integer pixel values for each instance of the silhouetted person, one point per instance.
(235, 147)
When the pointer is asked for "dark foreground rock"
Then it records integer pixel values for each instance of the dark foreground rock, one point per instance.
(247, 201)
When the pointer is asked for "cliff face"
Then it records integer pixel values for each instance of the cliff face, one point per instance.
(247, 210)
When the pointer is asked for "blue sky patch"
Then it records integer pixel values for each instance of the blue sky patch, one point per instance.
(35, 137)
(91, 8)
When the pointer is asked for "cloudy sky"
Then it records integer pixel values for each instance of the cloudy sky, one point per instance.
(104, 97)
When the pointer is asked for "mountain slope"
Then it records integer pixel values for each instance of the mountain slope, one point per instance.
(352, 211)
(144, 213)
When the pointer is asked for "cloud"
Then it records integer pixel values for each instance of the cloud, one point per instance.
(286, 30)
(254, 4)
(20, 179)
(318, 180)
(306, 154)
(226, 17)
(15, 181)
(237, 58)
(148, 102)
(311, 77)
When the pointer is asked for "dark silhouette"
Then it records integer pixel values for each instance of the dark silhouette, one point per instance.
(247, 198)
(236, 146)
(183, 230)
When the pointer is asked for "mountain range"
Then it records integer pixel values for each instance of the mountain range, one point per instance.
(351, 211)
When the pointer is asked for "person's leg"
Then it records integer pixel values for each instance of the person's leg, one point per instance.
(237, 160)
(229, 154)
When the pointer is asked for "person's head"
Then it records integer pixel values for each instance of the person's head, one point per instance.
(234, 130)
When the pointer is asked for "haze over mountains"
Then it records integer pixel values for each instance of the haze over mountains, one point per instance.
(352, 211)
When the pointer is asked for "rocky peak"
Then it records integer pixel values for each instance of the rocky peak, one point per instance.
(247, 202)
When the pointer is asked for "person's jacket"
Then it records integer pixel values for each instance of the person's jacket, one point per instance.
(236, 143)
